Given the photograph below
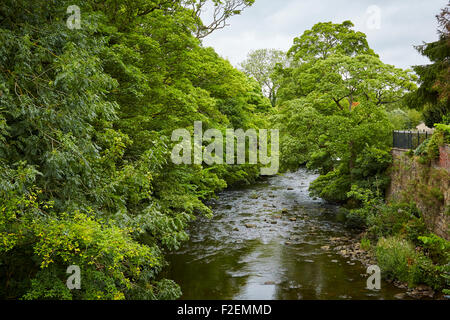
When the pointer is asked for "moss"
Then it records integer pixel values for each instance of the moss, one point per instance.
(410, 153)
(431, 196)
(437, 194)
(447, 211)
(440, 175)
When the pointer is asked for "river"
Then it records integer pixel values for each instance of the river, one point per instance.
(251, 250)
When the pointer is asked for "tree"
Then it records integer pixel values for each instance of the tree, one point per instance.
(332, 109)
(86, 118)
(433, 95)
(221, 11)
(260, 64)
(325, 39)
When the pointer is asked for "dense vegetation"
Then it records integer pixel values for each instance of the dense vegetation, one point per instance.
(337, 107)
(86, 117)
(432, 97)
(332, 109)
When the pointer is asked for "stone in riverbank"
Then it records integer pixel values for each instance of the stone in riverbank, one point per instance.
(400, 296)
(351, 249)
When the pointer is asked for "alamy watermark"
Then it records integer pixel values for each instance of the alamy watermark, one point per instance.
(373, 17)
(74, 280)
(236, 151)
(74, 20)
(374, 281)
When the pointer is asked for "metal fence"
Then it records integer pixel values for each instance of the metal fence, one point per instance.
(410, 139)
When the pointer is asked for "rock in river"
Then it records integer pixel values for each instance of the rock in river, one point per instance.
(400, 296)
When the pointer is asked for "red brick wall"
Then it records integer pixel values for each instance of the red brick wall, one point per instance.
(444, 159)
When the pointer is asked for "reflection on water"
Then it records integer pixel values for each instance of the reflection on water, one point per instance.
(265, 242)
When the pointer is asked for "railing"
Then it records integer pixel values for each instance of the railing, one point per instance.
(410, 139)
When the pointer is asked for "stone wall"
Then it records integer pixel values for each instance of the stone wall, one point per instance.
(444, 159)
(428, 185)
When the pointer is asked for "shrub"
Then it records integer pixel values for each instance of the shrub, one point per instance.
(365, 244)
(356, 219)
(392, 219)
(414, 229)
(399, 259)
(429, 149)
(396, 258)
(437, 248)
(422, 148)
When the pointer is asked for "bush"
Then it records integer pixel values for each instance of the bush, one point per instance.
(392, 219)
(437, 248)
(414, 229)
(395, 258)
(355, 219)
(422, 148)
(399, 259)
(429, 149)
(365, 244)
(383, 219)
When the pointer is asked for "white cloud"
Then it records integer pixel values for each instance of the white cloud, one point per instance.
(275, 23)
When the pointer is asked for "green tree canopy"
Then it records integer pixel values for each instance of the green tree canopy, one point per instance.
(433, 95)
(86, 117)
(260, 64)
(332, 109)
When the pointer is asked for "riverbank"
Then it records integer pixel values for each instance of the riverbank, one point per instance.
(351, 248)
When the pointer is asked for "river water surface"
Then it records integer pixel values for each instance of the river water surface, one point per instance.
(251, 250)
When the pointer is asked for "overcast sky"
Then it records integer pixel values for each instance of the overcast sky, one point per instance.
(275, 23)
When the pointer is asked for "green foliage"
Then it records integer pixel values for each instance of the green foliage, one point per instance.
(332, 113)
(433, 93)
(413, 229)
(325, 39)
(337, 107)
(429, 149)
(437, 248)
(86, 118)
(399, 228)
(366, 244)
(261, 64)
(392, 219)
(405, 120)
(399, 259)
(112, 264)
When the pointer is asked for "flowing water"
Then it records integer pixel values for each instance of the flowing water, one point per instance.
(250, 250)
